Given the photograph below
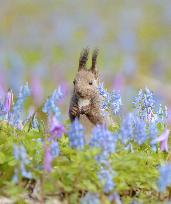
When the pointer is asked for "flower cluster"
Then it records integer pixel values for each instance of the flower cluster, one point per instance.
(35, 122)
(140, 134)
(104, 139)
(153, 130)
(6, 106)
(115, 102)
(148, 108)
(106, 178)
(50, 106)
(110, 101)
(126, 130)
(56, 127)
(51, 152)
(20, 155)
(76, 135)
(135, 129)
(8, 101)
(15, 118)
(165, 177)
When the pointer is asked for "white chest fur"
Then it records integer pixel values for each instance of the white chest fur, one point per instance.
(83, 102)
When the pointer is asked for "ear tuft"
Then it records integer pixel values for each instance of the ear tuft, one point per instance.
(83, 58)
(94, 59)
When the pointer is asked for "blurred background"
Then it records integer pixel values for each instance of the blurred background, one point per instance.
(41, 40)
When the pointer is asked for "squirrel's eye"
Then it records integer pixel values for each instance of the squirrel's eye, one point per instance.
(74, 82)
(90, 83)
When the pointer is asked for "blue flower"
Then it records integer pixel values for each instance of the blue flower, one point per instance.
(115, 102)
(114, 197)
(102, 91)
(35, 123)
(50, 104)
(165, 177)
(105, 97)
(162, 113)
(90, 198)
(15, 115)
(24, 91)
(140, 131)
(104, 139)
(54, 147)
(76, 135)
(148, 107)
(153, 130)
(127, 128)
(110, 101)
(21, 156)
(133, 129)
(106, 178)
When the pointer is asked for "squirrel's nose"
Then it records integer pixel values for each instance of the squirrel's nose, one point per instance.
(80, 92)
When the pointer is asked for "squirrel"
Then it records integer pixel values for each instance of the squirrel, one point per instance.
(86, 99)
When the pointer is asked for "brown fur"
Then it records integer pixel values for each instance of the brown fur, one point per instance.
(85, 91)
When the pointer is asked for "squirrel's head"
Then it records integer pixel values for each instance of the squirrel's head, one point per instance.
(86, 80)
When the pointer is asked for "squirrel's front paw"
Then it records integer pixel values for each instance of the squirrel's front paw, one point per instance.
(85, 110)
(74, 111)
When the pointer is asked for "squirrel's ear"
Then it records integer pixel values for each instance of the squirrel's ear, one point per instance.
(94, 58)
(83, 58)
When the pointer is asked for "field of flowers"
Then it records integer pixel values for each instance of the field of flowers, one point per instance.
(44, 158)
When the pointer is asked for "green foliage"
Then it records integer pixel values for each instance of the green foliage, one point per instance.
(74, 172)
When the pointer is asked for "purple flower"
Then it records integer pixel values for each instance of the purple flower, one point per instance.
(163, 139)
(37, 90)
(48, 159)
(8, 101)
(118, 82)
(51, 151)
(56, 128)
